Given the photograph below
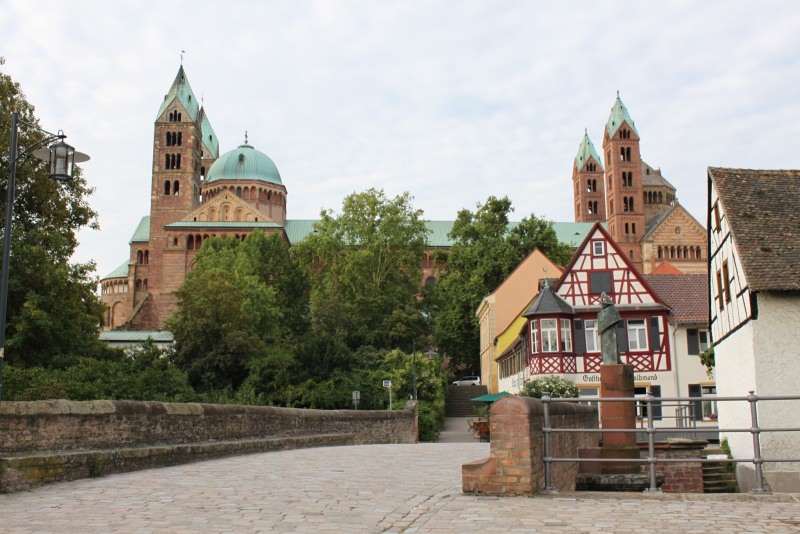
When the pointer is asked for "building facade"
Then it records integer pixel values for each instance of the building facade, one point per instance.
(638, 204)
(754, 309)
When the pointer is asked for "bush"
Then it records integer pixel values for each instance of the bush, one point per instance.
(555, 386)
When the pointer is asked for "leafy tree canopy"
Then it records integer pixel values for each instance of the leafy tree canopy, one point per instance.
(366, 270)
(486, 249)
(53, 310)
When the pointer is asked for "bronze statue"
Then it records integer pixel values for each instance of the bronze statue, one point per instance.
(607, 321)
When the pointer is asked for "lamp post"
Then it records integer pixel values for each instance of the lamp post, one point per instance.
(414, 368)
(62, 158)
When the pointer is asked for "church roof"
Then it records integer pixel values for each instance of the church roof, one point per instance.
(142, 232)
(619, 114)
(548, 303)
(666, 267)
(653, 178)
(244, 163)
(586, 151)
(119, 272)
(183, 92)
(209, 137)
(762, 215)
(685, 294)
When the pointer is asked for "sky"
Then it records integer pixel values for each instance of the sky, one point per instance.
(452, 101)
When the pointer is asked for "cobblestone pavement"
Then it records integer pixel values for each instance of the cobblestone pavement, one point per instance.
(371, 488)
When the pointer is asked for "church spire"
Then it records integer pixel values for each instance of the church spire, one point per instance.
(619, 114)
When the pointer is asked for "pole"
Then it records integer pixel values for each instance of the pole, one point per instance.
(12, 180)
(414, 367)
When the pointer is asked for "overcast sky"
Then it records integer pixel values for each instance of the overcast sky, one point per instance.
(452, 101)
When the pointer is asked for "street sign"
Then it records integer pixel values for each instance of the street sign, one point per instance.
(387, 383)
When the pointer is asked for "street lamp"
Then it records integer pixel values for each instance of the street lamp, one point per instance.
(62, 159)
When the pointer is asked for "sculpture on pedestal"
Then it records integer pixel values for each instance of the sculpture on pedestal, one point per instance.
(607, 321)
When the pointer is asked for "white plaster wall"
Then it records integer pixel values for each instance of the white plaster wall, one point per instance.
(512, 384)
(776, 344)
(736, 375)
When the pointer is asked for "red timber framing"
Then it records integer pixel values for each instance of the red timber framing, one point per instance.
(599, 266)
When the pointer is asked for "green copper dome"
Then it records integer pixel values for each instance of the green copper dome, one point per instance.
(244, 163)
(619, 114)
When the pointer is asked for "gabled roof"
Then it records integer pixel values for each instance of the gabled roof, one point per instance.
(181, 90)
(676, 209)
(619, 114)
(548, 303)
(666, 267)
(685, 294)
(210, 141)
(652, 177)
(142, 232)
(586, 152)
(762, 214)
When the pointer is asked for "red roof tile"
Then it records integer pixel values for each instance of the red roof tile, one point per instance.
(685, 294)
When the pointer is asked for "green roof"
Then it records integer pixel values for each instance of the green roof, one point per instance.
(619, 114)
(585, 152)
(297, 230)
(183, 92)
(119, 272)
(132, 336)
(142, 232)
(209, 137)
(244, 163)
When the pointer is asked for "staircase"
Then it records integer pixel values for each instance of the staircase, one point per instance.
(457, 402)
(718, 477)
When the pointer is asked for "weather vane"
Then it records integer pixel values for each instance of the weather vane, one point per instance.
(245, 137)
(182, 52)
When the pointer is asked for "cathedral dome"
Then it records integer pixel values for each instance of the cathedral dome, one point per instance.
(244, 163)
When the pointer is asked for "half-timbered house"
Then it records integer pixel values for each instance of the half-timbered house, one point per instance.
(754, 307)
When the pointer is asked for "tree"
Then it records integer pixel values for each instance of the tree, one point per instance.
(366, 270)
(486, 248)
(52, 307)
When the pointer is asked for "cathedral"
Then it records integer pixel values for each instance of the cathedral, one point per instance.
(638, 205)
(196, 193)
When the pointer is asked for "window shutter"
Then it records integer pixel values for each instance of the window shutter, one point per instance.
(692, 341)
(655, 391)
(580, 337)
(654, 332)
(697, 406)
(622, 336)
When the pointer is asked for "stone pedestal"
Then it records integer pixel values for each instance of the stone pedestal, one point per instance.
(616, 380)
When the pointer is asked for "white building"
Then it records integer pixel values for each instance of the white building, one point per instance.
(754, 273)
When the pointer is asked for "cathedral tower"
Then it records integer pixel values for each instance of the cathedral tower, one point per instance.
(624, 198)
(587, 181)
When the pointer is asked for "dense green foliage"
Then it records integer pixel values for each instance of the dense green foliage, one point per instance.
(555, 386)
(366, 271)
(53, 311)
(484, 253)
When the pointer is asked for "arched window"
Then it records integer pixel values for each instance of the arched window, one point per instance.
(633, 228)
(699, 253)
(588, 186)
(660, 197)
(685, 252)
(624, 203)
(611, 207)
(139, 257)
(626, 228)
(175, 187)
(630, 203)
(180, 138)
(627, 153)
(239, 191)
(660, 252)
(671, 252)
(146, 257)
(178, 162)
(190, 242)
(166, 187)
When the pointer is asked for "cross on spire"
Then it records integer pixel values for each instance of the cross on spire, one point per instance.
(245, 137)
(182, 52)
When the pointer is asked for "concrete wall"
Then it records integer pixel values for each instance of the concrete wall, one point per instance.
(45, 441)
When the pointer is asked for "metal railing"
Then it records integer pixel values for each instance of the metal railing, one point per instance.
(649, 401)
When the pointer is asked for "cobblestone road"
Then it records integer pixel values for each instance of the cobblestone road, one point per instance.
(372, 488)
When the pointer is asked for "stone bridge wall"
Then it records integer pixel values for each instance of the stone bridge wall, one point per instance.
(44, 441)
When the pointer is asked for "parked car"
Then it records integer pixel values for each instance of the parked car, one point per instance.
(468, 381)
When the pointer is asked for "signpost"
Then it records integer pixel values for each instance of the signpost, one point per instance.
(388, 384)
(356, 398)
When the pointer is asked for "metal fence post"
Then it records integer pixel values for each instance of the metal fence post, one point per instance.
(758, 461)
(651, 448)
(548, 458)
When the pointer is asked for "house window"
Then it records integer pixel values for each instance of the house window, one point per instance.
(709, 404)
(598, 248)
(697, 341)
(600, 282)
(566, 335)
(534, 338)
(549, 335)
(589, 393)
(726, 280)
(637, 335)
(717, 219)
(592, 338)
(720, 299)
